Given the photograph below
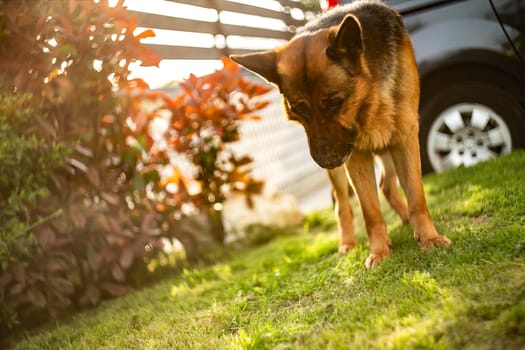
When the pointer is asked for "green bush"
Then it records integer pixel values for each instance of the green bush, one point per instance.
(74, 245)
(26, 161)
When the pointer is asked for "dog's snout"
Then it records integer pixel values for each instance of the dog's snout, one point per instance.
(329, 156)
(330, 144)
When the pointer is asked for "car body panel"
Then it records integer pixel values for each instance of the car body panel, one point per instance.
(463, 32)
(512, 14)
(452, 32)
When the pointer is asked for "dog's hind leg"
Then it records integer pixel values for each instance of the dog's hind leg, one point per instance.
(343, 209)
(360, 166)
(390, 189)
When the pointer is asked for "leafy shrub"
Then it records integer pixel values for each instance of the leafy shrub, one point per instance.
(204, 119)
(72, 58)
(25, 163)
(97, 203)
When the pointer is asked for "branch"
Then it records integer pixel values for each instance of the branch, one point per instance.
(44, 220)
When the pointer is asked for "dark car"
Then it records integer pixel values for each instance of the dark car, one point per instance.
(471, 59)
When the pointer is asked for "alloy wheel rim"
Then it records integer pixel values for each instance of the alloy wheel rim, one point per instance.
(467, 134)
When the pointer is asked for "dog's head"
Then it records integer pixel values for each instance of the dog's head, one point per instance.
(323, 79)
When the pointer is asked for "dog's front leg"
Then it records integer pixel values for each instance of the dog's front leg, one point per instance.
(408, 166)
(360, 167)
(343, 209)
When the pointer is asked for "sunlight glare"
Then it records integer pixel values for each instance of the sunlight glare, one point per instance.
(177, 38)
(171, 71)
(97, 65)
(240, 42)
(172, 9)
(268, 4)
(234, 18)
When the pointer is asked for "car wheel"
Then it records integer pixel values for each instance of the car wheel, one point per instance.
(467, 123)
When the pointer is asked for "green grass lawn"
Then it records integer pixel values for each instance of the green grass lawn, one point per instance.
(297, 293)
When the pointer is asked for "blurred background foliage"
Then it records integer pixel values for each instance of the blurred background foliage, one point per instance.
(90, 192)
(312, 4)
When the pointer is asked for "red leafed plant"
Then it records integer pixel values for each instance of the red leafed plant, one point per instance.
(201, 121)
(118, 192)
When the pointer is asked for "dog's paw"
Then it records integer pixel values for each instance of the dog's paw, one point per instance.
(374, 259)
(436, 241)
(344, 248)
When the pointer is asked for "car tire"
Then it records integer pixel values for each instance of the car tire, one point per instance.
(465, 122)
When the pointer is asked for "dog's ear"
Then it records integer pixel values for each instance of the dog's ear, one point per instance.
(346, 45)
(262, 63)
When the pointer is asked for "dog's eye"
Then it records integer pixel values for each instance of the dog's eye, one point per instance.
(300, 109)
(333, 104)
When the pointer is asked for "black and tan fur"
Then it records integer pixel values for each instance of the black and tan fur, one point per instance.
(350, 78)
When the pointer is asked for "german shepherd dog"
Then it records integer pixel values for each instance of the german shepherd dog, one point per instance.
(350, 78)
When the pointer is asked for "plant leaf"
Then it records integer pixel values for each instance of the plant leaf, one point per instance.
(45, 236)
(118, 273)
(127, 256)
(36, 297)
(115, 289)
(19, 272)
(62, 284)
(17, 289)
(111, 198)
(94, 177)
(93, 294)
(148, 33)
